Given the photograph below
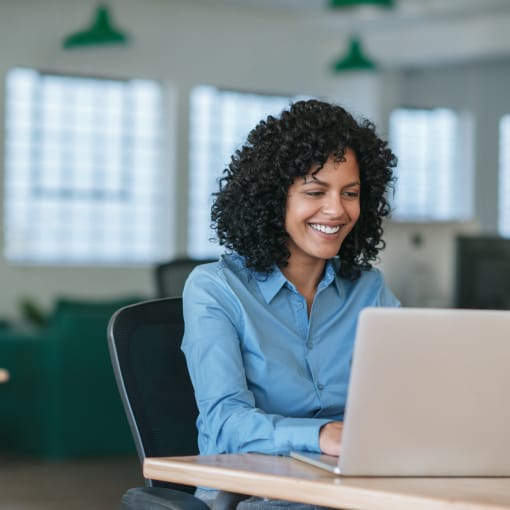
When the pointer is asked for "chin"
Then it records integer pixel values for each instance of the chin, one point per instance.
(326, 255)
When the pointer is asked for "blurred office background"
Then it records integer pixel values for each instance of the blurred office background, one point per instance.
(120, 181)
(110, 149)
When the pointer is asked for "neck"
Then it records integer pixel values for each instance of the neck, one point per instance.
(305, 277)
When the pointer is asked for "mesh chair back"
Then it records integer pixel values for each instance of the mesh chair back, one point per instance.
(144, 342)
(171, 276)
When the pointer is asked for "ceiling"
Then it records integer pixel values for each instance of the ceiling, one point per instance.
(402, 8)
(414, 32)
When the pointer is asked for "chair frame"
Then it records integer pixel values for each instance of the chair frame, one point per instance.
(178, 264)
(124, 322)
(155, 494)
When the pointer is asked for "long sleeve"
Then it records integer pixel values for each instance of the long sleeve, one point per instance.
(230, 420)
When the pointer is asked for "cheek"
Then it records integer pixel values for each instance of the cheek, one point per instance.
(355, 211)
(297, 210)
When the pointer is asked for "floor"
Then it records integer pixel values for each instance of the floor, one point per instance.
(87, 484)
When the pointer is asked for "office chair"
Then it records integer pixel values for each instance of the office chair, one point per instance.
(144, 341)
(171, 276)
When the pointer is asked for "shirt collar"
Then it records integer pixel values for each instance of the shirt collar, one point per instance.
(271, 284)
(330, 277)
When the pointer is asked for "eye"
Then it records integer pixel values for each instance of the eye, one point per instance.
(351, 194)
(314, 193)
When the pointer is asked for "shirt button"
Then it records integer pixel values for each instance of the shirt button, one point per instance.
(309, 345)
(320, 387)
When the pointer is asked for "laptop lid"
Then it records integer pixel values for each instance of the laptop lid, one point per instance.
(429, 394)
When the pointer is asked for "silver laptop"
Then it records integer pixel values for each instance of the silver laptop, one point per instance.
(429, 395)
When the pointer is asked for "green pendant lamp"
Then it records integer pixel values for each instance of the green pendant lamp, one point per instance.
(354, 60)
(100, 33)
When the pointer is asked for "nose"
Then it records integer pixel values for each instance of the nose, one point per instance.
(333, 206)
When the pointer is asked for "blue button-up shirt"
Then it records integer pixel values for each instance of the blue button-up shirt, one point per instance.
(266, 374)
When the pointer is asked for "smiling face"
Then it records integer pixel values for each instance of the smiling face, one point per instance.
(322, 209)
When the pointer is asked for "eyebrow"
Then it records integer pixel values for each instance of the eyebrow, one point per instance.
(315, 180)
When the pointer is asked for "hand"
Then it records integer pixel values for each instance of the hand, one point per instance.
(330, 438)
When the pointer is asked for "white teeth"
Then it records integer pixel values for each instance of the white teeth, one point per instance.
(325, 228)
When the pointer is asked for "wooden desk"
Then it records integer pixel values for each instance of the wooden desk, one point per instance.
(289, 479)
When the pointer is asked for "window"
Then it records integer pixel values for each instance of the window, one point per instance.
(433, 174)
(504, 177)
(220, 121)
(83, 170)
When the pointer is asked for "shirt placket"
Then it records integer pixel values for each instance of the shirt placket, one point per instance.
(313, 354)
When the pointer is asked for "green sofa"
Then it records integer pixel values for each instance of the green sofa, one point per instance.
(61, 399)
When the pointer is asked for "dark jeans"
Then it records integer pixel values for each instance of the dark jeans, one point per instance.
(219, 500)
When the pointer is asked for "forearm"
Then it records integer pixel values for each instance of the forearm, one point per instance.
(231, 427)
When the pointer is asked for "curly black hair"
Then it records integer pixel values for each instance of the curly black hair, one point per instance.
(248, 213)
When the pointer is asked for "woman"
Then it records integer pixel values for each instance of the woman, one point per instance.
(269, 328)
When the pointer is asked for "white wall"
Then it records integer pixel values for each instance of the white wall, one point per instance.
(188, 43)
(481, 90)
(423, 274)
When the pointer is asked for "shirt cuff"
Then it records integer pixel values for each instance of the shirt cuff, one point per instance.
(299, 434)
